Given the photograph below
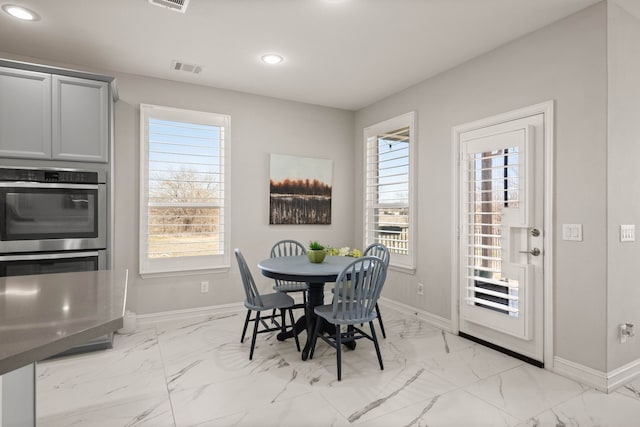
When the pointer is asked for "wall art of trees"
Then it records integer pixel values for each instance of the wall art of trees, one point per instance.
(301, 201)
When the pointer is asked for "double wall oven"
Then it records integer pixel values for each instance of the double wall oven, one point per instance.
(53, 221)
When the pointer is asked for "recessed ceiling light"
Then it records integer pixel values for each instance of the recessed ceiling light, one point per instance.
(20, 12)
(272, 59)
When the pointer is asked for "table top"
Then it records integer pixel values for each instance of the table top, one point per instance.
(43, 315)
(299, 269)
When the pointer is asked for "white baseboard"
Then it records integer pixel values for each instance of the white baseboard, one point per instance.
(583, 374)
(211, 310)
(603, 381)
(624, 374)
(430, 318)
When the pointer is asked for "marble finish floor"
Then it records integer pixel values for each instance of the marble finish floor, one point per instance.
(195, 372)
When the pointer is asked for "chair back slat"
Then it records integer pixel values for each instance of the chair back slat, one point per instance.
(362, 282)
(382, 252)
(287, 248)
(250, 289)
(379, 250)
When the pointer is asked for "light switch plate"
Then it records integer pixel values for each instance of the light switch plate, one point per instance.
(572, 232)
(628, 233)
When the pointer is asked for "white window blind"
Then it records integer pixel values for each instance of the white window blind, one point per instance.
(184, 190)
(493, 184)
(389, 204)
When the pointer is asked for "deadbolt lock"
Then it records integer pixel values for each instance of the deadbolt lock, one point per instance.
(535, 232)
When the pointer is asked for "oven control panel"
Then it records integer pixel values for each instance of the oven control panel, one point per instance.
(49, 175)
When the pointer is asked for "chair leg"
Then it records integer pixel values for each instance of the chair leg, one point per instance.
(314, 338)
(282, 322)
(255, 333)
(293, 328)
(246, 323)
(339, 351)
(375, 343)
(380, 320)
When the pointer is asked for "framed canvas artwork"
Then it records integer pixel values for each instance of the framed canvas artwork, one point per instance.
(300, 190)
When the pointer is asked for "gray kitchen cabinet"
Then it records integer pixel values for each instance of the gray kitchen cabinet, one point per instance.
(80, 119)
(25, 114)
(49, 116)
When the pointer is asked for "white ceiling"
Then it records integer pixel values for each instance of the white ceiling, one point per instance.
(339, 53)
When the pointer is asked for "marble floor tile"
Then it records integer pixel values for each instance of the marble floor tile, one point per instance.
(631, 389)
(525, 390)
(454, 409)
(195, 372)
(367, 397)
(591, 408)
(307, 410)
(212, 401)
(198, 359)
(132, 353)
(68, 396)
(470, 364)
(150, 411)
(413, 337)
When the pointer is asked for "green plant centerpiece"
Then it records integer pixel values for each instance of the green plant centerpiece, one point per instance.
(316, 252)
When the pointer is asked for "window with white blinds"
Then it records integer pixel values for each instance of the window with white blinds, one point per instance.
(389, 205)
(184, 190)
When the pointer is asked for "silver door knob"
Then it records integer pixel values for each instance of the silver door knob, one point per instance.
(534, 252)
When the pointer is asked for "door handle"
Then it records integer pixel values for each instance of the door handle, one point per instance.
(534, 252)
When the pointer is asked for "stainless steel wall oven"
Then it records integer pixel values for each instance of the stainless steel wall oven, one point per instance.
(45, 210)
(52, 262)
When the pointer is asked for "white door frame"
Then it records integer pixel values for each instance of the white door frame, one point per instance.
(547, 109)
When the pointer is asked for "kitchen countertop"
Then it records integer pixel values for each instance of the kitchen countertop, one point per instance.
(43, 315)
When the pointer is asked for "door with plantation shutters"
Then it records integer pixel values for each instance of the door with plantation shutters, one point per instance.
(501, 235)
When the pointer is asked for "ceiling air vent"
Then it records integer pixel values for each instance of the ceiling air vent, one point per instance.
(177, 5)
(183, 66)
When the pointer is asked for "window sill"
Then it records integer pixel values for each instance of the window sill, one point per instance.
(223, 269)
(402, 269)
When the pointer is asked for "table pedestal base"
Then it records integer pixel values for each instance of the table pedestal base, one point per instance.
(308, 321)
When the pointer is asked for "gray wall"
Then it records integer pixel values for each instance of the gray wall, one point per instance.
(595, 175)
(623, 299)
(259, 126)
(565, 62)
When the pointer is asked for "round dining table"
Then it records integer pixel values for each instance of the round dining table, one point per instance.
(300, 269)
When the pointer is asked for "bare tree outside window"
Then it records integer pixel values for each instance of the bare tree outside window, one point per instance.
(179, 223)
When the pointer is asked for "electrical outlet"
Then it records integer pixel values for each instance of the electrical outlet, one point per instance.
(420, 289)
(204, 286)
(626, 332)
